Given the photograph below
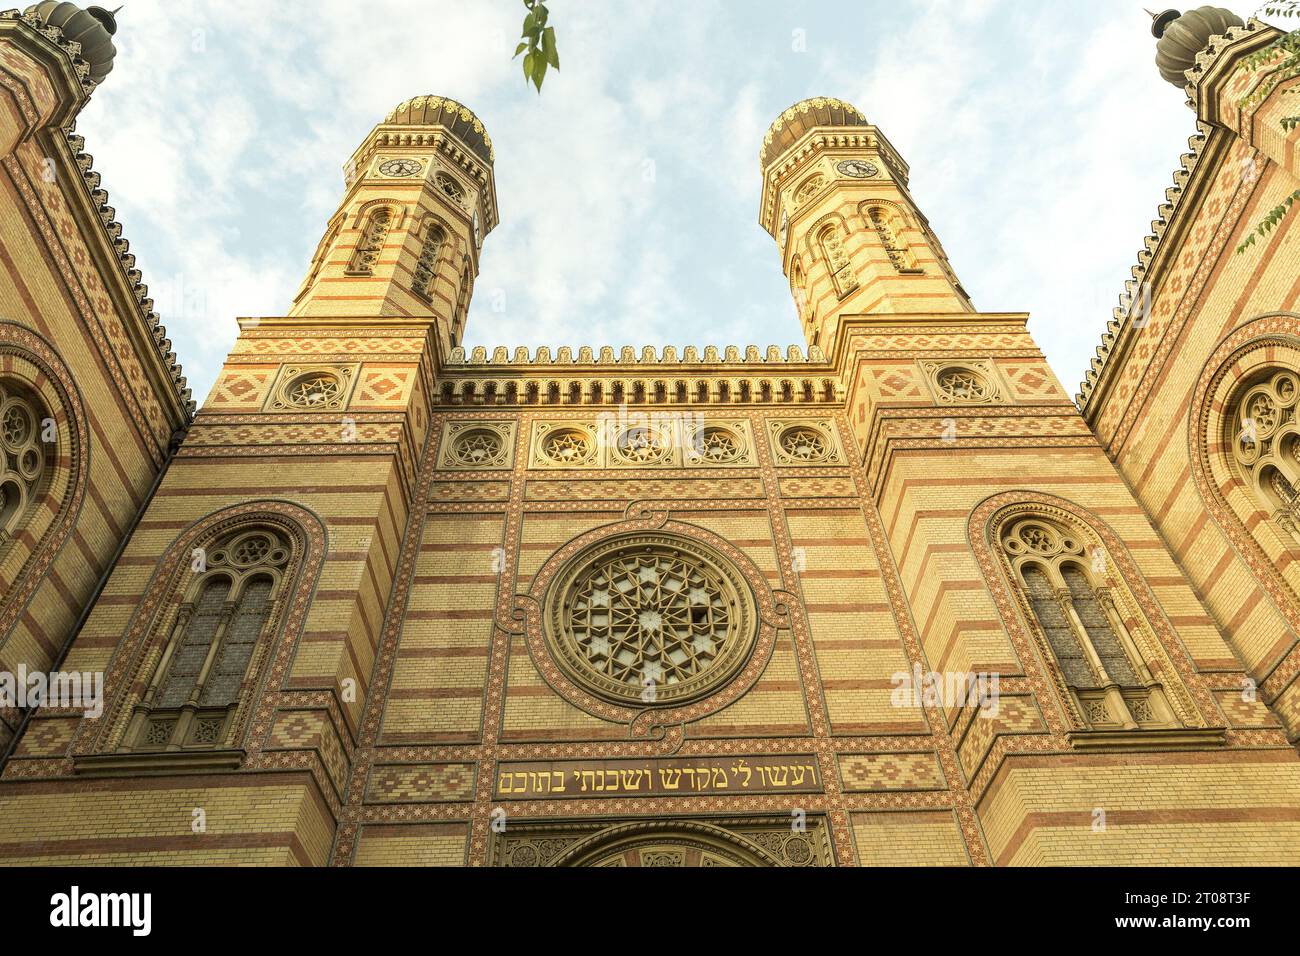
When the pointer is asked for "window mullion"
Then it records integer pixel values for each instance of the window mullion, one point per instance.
(192, 704)
(146, 701)
(1109, 687)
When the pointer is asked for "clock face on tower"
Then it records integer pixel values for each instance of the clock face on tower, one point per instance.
(400, 168)
(857, 169)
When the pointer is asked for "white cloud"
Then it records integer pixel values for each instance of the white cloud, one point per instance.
(1041, 141)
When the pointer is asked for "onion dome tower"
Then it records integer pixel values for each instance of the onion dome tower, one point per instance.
(1183, 36)
(852, 239)
(93, 28)
(408, 233)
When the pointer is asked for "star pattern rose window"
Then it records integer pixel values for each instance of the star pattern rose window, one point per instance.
(805, 444)
(568, 447)
(719, 445)
(963, 385)
(477, 448)
(314, 391)
(649, 618)
(642, 446)
(17, 426)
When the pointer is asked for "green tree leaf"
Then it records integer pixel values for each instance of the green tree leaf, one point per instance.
(549, 49)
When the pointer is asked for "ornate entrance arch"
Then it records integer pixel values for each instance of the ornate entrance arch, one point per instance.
(738, 842)
(671, 844)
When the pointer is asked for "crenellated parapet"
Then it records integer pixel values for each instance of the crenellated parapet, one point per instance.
(627, 355)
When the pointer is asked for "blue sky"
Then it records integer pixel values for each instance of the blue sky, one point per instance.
(1040, 136)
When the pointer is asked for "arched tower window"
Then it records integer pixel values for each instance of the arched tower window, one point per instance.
(462, 301)
(370, 243)
(427, 268)
(887, 228)
(224, 624)
(1264, 442)
(23, 461)
(831, 241)
(799, 289)
(1071, 602)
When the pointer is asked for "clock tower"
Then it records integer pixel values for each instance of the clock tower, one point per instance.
(405, 241)
(852, 240)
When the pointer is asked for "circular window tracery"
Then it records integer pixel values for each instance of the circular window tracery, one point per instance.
(477, 447)
(1261, 431)
(964, 385)
(22, 459)
(651, 620)
(568, 446)
(315, 390)
(720, 445)
(805, 444)
(249, 549)
(1034, 537)
(642, 445)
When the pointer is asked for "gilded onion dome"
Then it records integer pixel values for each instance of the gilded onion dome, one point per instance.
(803, 116)
(1183, 36)
(441, 111)
(92, 27)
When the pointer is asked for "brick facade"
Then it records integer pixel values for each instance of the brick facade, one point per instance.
(412, 703)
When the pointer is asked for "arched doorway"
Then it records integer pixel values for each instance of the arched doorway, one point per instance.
(675, 844)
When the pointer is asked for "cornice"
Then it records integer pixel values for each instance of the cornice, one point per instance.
(37, 37)
(1219, 59)
(385, 138)
(820, 140)
(47, 39)
(97, 197)
(1159, 247)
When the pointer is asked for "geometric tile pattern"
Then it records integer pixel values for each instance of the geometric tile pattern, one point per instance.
(865, 773)
(426, 783)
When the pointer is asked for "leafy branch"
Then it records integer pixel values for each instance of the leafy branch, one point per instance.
(1289, 45)
(538, 44)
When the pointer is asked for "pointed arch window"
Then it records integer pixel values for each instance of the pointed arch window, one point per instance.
(1072, 605)
(1264, 439)
(427, 268)
(223, 626)
(831, 241)
(887, 227)
(370, 243)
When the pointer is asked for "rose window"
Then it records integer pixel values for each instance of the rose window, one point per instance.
(568, 447)
(650, 621)
(805, 445)
(642, 446)
(250, 550)
(478, 447)
(963, 385)
(314, 391)
(720, 445)
(22, 461)
(1262, 433)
